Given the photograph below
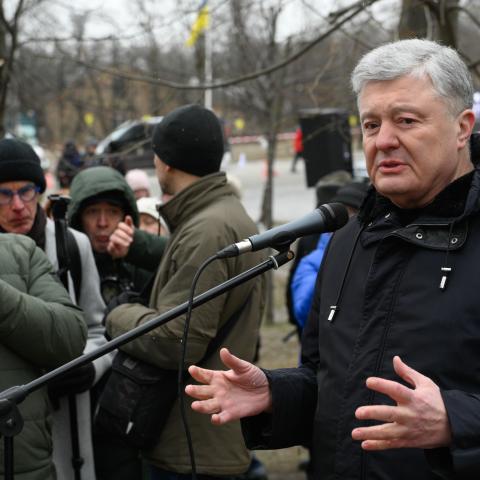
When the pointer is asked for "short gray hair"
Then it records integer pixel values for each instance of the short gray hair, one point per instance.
(447, 71)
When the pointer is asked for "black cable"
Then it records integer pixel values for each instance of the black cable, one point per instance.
(181, 364)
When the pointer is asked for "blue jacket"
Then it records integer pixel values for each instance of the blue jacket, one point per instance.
(303, 282)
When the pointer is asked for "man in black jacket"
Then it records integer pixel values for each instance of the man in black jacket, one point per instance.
(389, 382)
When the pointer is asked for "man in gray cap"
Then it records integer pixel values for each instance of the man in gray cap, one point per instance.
(203, 215)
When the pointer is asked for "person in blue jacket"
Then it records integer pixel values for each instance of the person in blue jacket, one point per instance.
(303, 283)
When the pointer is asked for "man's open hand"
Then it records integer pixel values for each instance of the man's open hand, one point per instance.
(419, 420)
(242, 391)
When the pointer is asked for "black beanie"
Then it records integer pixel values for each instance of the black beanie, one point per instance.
(190, 139)
(18, 161)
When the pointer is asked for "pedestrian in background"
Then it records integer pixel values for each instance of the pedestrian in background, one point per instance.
(297, 148)
(139, 182)
(69, 164)
(150, 219)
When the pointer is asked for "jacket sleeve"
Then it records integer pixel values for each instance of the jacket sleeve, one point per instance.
(162, 346)
(294, 399)
(146, 250)
(462, 459)
(92, 304)
(303, 285)
(42, 325)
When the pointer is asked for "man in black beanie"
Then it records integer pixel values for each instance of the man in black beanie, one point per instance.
(203, 215)
(21, 182)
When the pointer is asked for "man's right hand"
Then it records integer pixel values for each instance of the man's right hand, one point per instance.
(242, 391)
(121, 238)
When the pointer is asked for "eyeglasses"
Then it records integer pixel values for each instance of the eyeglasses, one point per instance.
(26, 194)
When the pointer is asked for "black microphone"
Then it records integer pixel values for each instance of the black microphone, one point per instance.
(326, 218)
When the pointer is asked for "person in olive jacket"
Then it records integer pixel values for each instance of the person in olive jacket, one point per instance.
(204, 215)
(40, 329)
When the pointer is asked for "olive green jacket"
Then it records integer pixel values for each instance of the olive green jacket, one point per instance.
(203, 218)
(40, 329)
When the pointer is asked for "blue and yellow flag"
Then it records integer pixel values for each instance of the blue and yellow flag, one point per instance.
(200, 24)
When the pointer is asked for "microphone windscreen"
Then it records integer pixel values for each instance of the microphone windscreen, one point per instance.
(336, 215)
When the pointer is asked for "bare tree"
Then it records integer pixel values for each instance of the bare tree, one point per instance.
(9, 30)
(264, 96)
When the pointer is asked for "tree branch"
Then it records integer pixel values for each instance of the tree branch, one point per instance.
(362, 5)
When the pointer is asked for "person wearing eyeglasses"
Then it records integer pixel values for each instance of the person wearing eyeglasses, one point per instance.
(22, 182)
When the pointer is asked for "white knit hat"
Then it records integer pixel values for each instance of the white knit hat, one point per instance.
(148, 205)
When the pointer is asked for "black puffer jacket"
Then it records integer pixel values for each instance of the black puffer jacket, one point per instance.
(384, 272)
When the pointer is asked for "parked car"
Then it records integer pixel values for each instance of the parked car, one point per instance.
(129, 144)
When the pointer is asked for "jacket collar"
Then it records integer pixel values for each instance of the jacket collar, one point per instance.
(194, 198)
(458, 200)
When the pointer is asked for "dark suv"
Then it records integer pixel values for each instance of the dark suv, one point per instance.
(129, 144)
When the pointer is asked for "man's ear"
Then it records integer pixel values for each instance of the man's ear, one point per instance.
(466, 122)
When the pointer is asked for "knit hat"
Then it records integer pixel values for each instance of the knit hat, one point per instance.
(148, 205)
(137, 179)
(351, 195)
(190, 139)
(18, 161)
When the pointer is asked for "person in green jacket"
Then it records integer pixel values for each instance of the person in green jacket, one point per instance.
(40, 329)
(204, 215)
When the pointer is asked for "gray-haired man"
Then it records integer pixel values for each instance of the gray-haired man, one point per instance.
(388, 387)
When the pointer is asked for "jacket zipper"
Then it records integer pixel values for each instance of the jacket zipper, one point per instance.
(363, 459)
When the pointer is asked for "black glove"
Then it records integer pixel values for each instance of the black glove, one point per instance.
(76, 381)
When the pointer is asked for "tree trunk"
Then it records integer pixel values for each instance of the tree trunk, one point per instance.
(413, 20)
(426, 19)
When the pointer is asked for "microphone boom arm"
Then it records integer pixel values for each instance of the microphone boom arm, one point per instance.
(17, 394)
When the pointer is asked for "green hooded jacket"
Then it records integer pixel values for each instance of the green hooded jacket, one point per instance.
(142, 260)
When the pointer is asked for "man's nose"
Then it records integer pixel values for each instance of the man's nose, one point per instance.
(386, 138)
(17, 202)
(102, 219)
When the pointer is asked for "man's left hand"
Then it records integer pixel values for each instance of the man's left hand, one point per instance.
(419, 420)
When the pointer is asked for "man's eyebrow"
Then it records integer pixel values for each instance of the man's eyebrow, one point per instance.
(399, 108)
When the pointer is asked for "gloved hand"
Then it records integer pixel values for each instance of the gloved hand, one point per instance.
(76, 381)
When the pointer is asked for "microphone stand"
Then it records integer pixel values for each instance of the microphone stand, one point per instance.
(11, 421)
